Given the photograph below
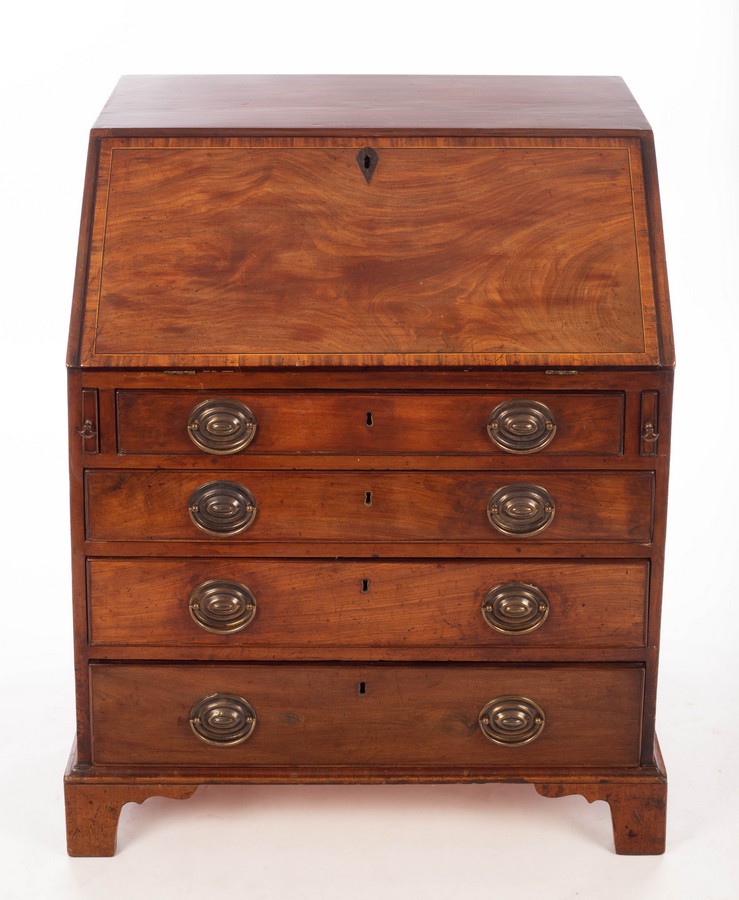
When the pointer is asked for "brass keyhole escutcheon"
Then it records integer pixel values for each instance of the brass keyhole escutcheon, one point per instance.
(367, 160)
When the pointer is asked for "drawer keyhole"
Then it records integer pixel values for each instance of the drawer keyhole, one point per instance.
(365, 585)
(368, 421)
(368, 498)
(362, 688)
(367, 160)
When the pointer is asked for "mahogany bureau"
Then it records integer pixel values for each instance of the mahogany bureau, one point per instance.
(370, 385)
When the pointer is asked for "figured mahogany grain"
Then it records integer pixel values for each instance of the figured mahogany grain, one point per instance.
(367, 604)
(412, 715)
(381, 506)
(333, 422)
(480, 255)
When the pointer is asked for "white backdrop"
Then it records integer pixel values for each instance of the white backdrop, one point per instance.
(60, 62)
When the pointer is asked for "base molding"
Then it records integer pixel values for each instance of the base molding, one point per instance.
(94, 796)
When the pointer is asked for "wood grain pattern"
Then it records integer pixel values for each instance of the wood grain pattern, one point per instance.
(380, 103)
(385, 380)
(308, 604)
(93, 810)
(346, 273)
(365, 422)
(638, 812)
(373, 506)
(77, 534)
(637, 797)
(414, 715)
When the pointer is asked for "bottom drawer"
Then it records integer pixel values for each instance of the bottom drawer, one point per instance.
(361, 715)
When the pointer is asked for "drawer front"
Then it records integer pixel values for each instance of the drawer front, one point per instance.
(365, 715)
(366, 423)
(346, 507)
(263, 604)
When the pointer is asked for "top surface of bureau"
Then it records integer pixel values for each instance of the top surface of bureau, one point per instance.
(390, 221)
(438, 104)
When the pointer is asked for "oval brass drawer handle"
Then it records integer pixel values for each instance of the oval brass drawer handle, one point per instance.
(511, 721)
(222, 606)
(515, 608)
(521, 509)
(223, 719)
(222, 508)
(221, 426)
(521, 426)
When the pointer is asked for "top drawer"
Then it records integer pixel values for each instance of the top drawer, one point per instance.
(189, 422)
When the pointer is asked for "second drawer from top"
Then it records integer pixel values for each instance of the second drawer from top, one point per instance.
(253, 506)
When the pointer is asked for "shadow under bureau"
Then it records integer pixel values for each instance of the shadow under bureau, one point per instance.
(369, 385)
